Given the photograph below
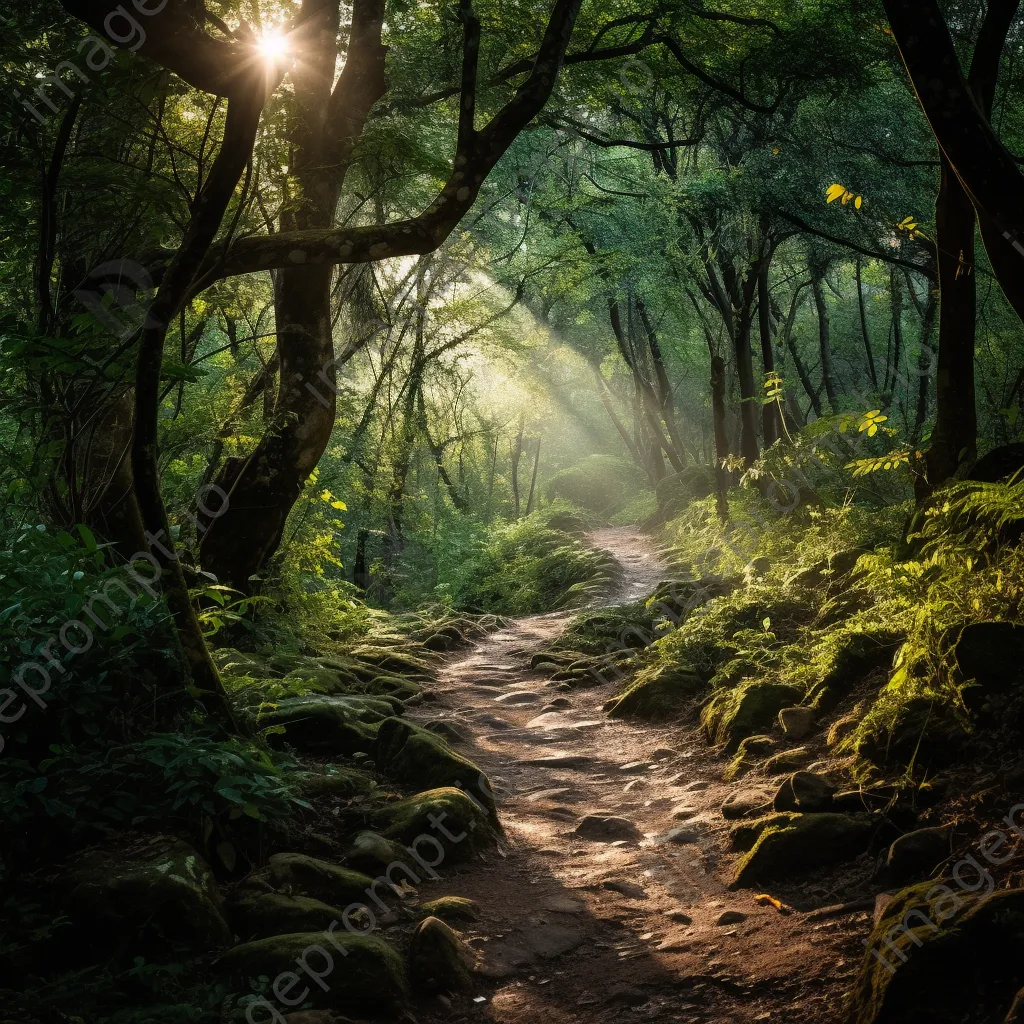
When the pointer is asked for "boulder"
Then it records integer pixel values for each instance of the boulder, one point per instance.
(658, 693)
(413, 755)
(156, 890)
(999, 464)
(793, 845)
(990, 659)
(796, 723)
(451, 909)
(258, 915)
(433, 813)
(852, 655)
(917, 854)
(924, 729)
(325, 725)
(334, 885)
(805, 792)
(448, 731)
(746, 834)
(746, 710)
(357, 973)
(370, 852)
(742, 802)
(439, 961)
(943, 954)
(749, 755)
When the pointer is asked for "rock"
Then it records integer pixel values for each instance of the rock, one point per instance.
(686, 834)
(559, 761)
(406, 821)
(557, 704)
(805, 792)
(998, 464)
(790, 845)
(787, 761)
(333, 885)
(746, 710)
(628, 995)
(942, 954)
(448, 731)
(925, 729)
(990, 660)
(664, 754)
(917, 854)
(258, 915)
(630, 889)
(371, 852)
(155, 891)
(746, 834)
(695, 787)
(553, 940)
(327, 725)
(748, 754)
(410, 754)
(730, 917)
(439, 961)
(657, 693)
(451, 909)
(606, 829)
(518, 697)
(356, 972)
(679, 916)
(854, 655)
(796, 723)
(683, 812)
(492, 721)
(742, 802)
(549, 794)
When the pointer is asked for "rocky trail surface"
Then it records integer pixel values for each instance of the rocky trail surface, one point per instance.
(609, 898)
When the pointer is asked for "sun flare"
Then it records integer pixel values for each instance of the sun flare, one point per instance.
(273, 46)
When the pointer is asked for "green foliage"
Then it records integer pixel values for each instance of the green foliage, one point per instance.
(525, 567)
(599, 483)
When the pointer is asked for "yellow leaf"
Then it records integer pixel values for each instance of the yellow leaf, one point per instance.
(858, 201)
(835, 192)
(339, 505)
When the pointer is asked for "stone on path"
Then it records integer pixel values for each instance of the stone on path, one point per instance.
(630, 889)
(606, 829)
(518, 697)
(743, 801)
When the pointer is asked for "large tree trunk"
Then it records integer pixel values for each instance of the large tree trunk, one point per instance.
(955, 434)
(825, 344)
(769, 410)
(263, 488)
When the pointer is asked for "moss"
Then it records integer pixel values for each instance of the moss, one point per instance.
(658, 693)
(743, 836)
(159, 890)
(360, 973)
(410, 754)
(335, 780)
(372, 852)
(406, 820)
(257, 915)
(954, 956)
(327, 725)
(844, 658)
(439, 961)
(733, 715)
(787, 761)
(788, 848)
(319, 879)
(451, 909)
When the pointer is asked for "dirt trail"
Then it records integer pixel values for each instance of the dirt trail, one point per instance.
(623, 926)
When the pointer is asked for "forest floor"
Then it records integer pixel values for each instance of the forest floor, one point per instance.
(622, 920)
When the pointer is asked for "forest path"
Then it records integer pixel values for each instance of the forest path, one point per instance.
(619, 920)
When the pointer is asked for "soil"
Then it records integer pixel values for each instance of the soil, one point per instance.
(619, 921)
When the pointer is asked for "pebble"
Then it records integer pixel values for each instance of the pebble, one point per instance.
(517, 697)
(602, 828)
(635, 767)
(731, 917)
(630, 889)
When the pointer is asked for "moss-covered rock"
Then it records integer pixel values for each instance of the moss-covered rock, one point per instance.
(942, 954)
(749, 754)
(451, 909)
(153, 890)
(413, 755)
(806, 792)
(357, 973)
(846, 657)
(923, 729)
(918, 854)
(326, 725)
(406, 820)
(439, 961)
(335, 780)
(745, 835)
(372, 852)
(658, 693)
(258, 915)
(786, 761)
(791, 845)
(334, 885)
(749, 709)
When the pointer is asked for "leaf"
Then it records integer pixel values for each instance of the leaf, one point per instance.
(835, 192)
(339, 505)
(858, 201)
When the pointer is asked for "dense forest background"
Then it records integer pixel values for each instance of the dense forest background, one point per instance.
(329, 332)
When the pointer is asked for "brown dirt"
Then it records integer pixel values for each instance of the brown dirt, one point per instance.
(556, 943)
